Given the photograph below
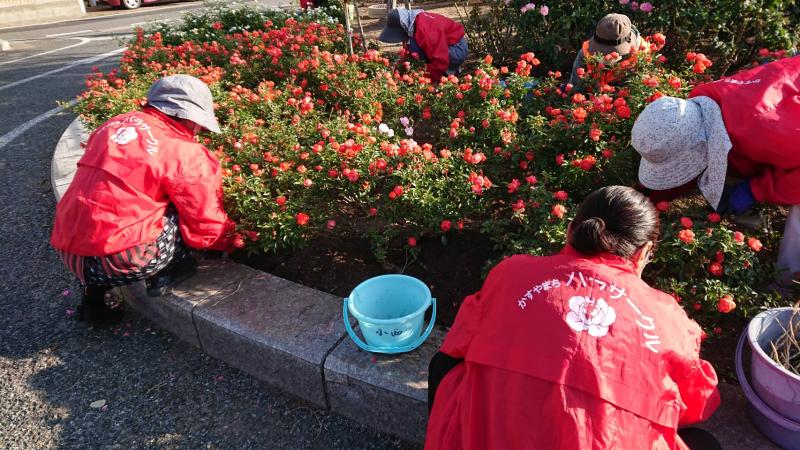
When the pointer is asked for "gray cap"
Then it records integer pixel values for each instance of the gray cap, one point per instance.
(185, 97)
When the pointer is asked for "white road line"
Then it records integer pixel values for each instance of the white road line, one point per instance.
(79, 62)
(82, 42)
(68, 34)
(17, 132)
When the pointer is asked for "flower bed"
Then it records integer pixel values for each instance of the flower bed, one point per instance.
(317, 145)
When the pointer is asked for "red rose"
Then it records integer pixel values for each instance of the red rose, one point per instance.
(662, 206)
(412, 241)
(738, 237)
(238, 240)
(715, 269)
(754, 244)
(697, 306)
(331, 224)
(460, 225)
(726, 304)
(719, 257)
(560, 196)
(373, 212)
(445, 225)
(686, 222)
(560, 159)
(588, 162)
(280, 200)
(686, 236)
(714, 217)
(301, 218)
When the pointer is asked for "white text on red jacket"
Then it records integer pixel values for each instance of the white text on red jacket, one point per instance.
(644, 322)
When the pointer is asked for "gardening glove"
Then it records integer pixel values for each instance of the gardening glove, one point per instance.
(736, 199)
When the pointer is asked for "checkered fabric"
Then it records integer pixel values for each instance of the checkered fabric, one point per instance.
(133, 264)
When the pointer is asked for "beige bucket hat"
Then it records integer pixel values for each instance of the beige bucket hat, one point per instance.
(614, 33)
(680, 140)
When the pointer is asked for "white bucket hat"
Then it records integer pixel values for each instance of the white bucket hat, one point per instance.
(185, 97)
(679, 140)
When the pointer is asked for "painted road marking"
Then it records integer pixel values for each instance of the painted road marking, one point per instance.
(82, 42)
(68, 34)
(79, 62)
(18, 131)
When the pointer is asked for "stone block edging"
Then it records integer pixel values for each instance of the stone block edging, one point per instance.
(292, 337)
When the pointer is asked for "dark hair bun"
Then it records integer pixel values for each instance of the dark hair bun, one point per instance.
(614, 219)
(590, 236)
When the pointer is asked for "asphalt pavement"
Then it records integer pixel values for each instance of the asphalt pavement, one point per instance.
(156, 391)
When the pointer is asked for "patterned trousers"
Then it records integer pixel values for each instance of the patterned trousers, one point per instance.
(133, 264)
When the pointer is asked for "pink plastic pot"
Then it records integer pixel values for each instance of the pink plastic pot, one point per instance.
(776, 382)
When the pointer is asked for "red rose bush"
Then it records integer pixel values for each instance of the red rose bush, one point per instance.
(314, 139)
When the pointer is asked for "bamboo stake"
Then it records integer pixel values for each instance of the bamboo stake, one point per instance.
(360, 27)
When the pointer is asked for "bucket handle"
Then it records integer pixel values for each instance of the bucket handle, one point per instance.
(389, 350)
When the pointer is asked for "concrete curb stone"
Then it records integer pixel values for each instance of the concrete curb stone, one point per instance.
(279, 331)
(390, 390)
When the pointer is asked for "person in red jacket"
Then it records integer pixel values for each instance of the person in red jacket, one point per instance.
(437, 40)
(574, 351)
(143, 192)
(742, 127)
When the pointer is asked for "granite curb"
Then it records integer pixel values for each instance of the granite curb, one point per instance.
(292, 337)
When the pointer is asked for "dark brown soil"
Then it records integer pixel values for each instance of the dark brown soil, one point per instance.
(337, 264)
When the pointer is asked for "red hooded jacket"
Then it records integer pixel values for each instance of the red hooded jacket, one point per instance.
(435, 34)
(761, 109)
(134, 166)
(568, 352)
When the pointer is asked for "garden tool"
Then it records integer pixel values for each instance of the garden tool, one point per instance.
(360, 28)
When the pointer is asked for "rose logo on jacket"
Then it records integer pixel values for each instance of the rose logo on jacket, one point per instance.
(588, 314)
(124, 135)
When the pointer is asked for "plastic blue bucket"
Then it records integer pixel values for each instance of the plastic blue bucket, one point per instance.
(390, 310)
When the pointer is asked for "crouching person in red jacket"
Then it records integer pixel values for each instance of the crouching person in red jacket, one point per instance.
(743, 128)
(438, 40)
(575, 351)
(143, 193)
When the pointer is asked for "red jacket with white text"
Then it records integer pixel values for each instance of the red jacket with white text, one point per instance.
(134, 166)
(761, 110)
(569, 352)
